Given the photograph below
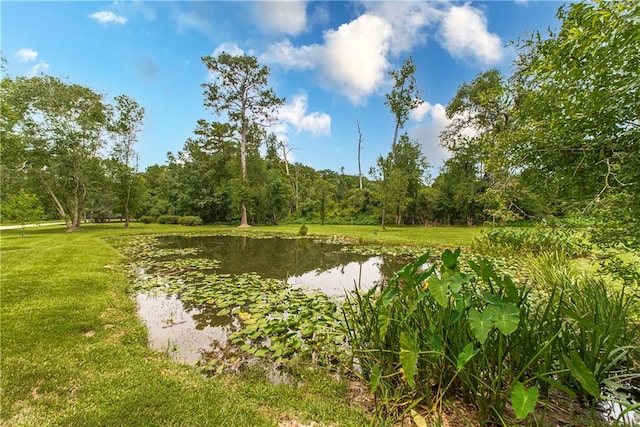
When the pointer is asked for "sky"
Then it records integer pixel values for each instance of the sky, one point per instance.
(329, 60)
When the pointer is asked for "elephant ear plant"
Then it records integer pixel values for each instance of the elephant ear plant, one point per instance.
(435, 332)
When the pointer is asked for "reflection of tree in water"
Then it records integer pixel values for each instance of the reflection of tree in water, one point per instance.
(275, 258)
(208, 316)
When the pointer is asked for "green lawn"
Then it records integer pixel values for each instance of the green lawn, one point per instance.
(74, 352)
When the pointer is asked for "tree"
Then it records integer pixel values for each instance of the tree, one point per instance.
(359, 151)
(405, 95)
(126, 121)
(577, 116)
(478, 116)
(240, 95)
(60, 128)
(400, 175)
(23, 207)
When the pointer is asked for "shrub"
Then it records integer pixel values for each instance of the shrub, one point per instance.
(190, 221)
(430, 335)
(146, 219)
(168, 219)
(303, 230)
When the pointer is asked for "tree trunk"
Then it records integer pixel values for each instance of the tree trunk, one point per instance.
(359, 149)
(395, 134)
(384, 207)
(243, 166)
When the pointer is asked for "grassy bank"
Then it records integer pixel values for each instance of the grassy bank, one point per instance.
(74, 352)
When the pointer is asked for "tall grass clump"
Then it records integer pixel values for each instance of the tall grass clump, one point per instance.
(442, 332)
(502, 242)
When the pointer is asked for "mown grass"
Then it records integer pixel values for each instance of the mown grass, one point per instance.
(74, 352)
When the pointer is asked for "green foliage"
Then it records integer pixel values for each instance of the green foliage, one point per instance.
(169, 219)
(190, 220)
(93, 365)
(147, 219)
(426, 336)
(23, 208)
(303, 230)
(507, 241)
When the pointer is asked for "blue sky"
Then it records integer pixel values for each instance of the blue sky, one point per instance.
(328, 59)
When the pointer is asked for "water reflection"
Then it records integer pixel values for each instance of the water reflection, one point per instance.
(186, 329)
(299, 262)
(173, 330)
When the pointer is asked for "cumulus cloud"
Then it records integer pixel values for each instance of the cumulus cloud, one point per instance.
(229, 47)
(107, 17)
(420, 112)
(26, 55)
(285, 54)
(283, 17)
(464, 34)
(40, 67)
(295, 114)
(408, 20)
(352, 60)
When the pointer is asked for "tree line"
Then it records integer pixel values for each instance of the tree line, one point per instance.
(558, 137)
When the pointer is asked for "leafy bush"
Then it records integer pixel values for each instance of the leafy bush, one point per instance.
(508, 241)
(168, 219)
(190, 221)
(303, 230)
(146, 219)
(438, 332)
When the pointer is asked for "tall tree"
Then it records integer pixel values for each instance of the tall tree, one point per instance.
(239, 95)
(405, 95)
(126, 122)
(359, 151)
(577, 119)
(60, 128)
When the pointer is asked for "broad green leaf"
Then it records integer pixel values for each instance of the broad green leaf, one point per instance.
(409, 356)
(418, 419)
(582, 373)
(506, 317)
(433, 338)
(376, 373)
(439, 290)
(456, 280)
(383, 321)
(481, 324)
(450, 259)
(466, 355)
(524, 400)
(389, 294)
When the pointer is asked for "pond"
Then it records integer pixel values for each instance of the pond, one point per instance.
(270, 277)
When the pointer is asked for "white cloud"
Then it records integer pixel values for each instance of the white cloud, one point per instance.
(295, 114)
(40, 67)
(285, 54)
(107, 17)
(283, 17)
(408, 20)
(419, 113)
(355, 56)
(464, 34)
(26, 55)
(352, 60)
(229, 47)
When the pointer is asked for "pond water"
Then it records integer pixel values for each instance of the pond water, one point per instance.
(185, 330)
(299, 262)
